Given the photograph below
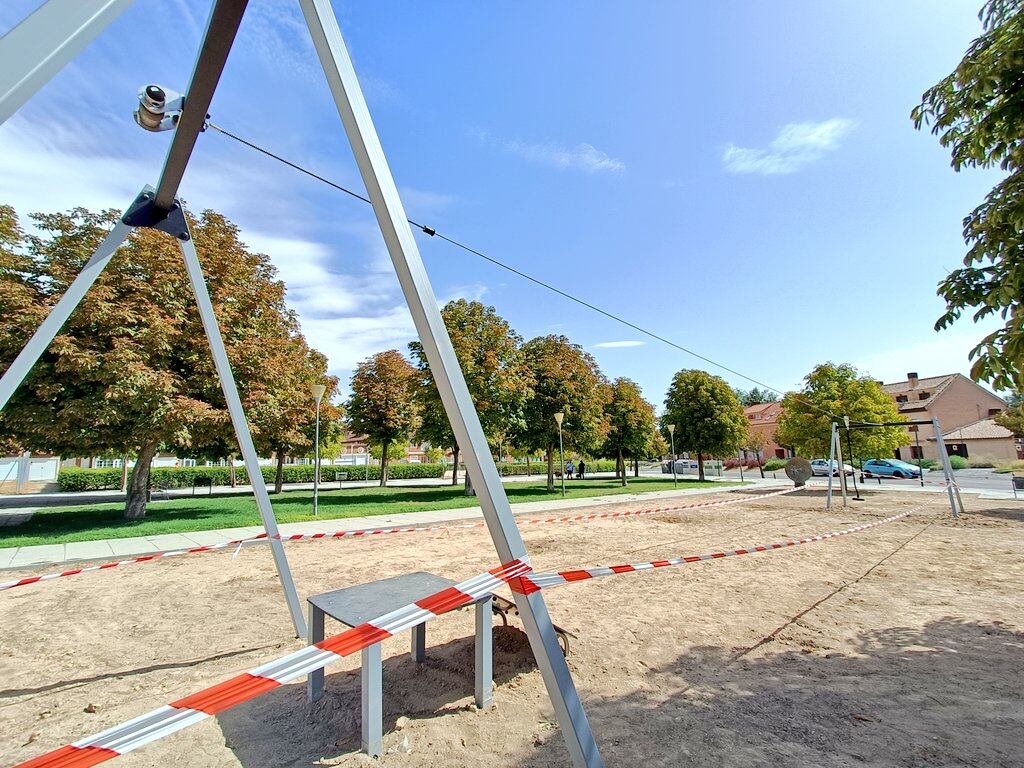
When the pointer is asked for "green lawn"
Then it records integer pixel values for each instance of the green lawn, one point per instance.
(58, 525)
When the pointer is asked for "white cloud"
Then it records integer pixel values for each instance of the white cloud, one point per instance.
(944, 352)
(796, 146)
(581, 157)
(619, 344)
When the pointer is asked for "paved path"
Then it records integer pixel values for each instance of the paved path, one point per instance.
(108, 549)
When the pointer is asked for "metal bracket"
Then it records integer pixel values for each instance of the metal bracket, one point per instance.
(144, 212)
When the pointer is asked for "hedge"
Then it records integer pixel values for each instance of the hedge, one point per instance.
(75, 480)
(774, 464)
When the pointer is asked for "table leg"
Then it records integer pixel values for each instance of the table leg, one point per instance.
(419, 643)
(484, 654)
(372, 705)
(315, 679)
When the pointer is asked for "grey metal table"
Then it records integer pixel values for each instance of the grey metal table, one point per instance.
(354, 605)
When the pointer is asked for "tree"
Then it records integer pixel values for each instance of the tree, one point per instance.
(565, 379)
(755, 396)
(755, 443)
(490, 355)
(631, 424)
(978, 113)
(831, 392)
(1013, 420)
(131, 371)
(383, 403)
(708, 417)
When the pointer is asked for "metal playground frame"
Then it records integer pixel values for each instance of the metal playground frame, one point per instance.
(956, 504)
(43, 43)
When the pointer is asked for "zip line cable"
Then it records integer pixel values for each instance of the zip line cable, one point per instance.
(434, 233)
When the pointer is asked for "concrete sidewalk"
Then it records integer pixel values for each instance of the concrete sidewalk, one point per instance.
(112, 549)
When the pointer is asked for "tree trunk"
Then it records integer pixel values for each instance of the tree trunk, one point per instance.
(279, 474)
(455, 465)
(231, 470)
(700, 466)
(468, 491)
(551, 468)
(384, 463)
(636, 467)
(138, 486)
(621, 463)
(528, 472)
(124, 474)
(760, 466)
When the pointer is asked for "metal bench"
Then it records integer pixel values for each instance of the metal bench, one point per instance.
(353, 606)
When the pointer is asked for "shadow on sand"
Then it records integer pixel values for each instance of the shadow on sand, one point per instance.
(944, 695)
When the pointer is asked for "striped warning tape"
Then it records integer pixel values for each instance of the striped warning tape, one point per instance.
(180, 714)
(537, 581)
(263, 538)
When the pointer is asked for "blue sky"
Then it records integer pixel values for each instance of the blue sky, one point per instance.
(741, 177)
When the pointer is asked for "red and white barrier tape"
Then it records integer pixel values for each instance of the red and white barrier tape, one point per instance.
(537, 581)
(263, 538)
(180, 714)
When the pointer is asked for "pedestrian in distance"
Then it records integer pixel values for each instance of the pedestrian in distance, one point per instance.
(580, 469)
(569, 469)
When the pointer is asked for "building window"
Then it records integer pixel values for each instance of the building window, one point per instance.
(107, 463)
(924, 395)
(916, 452)
(901, 398)
(994, 411)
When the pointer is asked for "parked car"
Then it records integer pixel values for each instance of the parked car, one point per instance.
(681, 465)
(824, 467)
(890, 468)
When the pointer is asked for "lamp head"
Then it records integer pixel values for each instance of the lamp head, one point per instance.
(671, 428)
(846, 421)
(317, 391)
(558, 418)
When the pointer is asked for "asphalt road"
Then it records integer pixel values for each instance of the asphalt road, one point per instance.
(980, 479)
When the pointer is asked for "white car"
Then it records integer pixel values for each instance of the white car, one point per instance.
(824, 468)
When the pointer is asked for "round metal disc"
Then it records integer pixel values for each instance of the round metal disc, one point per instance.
(798, 470)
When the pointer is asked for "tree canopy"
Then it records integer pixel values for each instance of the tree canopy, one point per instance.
(490, 355)
(755, 396)
(631, 424)
(383, 402)
(978, 113)
(708, 417)
(131, 370)
(566, 379)
(831, 392)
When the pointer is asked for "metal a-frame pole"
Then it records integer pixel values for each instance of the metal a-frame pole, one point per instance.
(444, 366)
(30, 54)
(50, 327)
(41, 44)
(831, 460)
(947, 469)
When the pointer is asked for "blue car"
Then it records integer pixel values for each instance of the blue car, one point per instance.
(890, 468)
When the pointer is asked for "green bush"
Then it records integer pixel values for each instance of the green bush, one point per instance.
(774, 464)
(1016, 466)
(958, 462)
(540, 467)
(980, 464)
(76, 480)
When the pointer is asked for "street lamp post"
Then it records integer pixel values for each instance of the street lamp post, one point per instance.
(561, 456)
(672, 436)
(849, 450)
(317, 391)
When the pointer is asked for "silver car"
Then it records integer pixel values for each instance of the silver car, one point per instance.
(824, 468)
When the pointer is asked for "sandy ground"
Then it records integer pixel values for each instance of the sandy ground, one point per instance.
(902, 645)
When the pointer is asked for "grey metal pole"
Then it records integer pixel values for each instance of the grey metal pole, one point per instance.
(238, 420)
(831, 459)
(444, 366)
(947, 468)
(45, 41)
(672, 438)
(316, 463)
(561, 458)
(50, 327)
(920, 454)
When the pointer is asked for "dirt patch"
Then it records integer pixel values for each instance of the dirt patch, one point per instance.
(898, 646)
